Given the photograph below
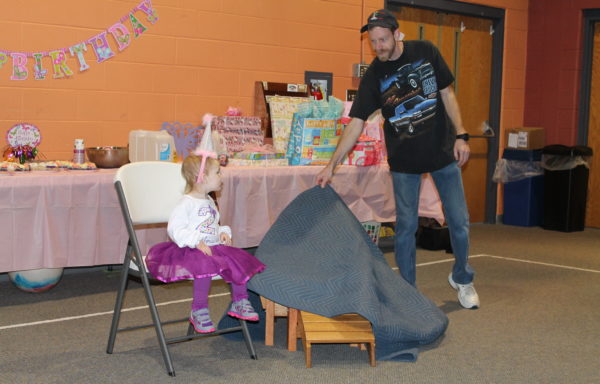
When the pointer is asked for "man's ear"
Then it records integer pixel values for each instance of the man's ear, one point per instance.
(398, 36)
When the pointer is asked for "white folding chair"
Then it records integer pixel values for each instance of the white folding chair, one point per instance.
(148, 192)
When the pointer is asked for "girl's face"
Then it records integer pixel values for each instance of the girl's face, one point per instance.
(212, 180)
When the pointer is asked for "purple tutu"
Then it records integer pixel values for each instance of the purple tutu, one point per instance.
(167, 262)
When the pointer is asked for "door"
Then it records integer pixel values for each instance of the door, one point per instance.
(592, 217)
(466, 45)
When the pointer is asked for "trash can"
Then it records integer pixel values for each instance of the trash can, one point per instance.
(523, 179)
(566, 174)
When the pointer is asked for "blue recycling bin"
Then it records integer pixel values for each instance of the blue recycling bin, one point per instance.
(524, 199)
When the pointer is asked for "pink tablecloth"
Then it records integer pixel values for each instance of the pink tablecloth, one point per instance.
(253, 197)
(72, 218)
(62, 219)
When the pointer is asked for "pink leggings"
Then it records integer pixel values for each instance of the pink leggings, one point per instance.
(202, 287)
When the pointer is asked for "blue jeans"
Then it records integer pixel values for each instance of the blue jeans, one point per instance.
(448, 182)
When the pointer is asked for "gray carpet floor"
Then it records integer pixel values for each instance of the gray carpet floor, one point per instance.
(539, 323)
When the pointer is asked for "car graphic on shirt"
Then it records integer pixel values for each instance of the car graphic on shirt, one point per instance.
(404, 79)
(410, 77)
(412, 112)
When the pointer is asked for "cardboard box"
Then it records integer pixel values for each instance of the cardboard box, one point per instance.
(525, 138)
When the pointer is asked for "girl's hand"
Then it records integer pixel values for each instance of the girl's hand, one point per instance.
(225, 239)
(204, 248)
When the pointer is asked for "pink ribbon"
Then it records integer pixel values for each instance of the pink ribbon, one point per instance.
(204, 154)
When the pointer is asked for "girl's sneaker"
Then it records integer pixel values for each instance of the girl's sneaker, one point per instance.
(242, 309)
(201, 321)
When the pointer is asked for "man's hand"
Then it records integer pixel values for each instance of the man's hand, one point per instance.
(204, 248)
(324, 177)
(347, 141)
(461, 152)
(225, 239)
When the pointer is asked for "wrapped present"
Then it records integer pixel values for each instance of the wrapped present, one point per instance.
(366, 151)
(258, 163)
(238, 131)
(281, 110)
(258, 155)
(313, 140)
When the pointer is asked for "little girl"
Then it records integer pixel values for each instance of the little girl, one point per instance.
(201, 247)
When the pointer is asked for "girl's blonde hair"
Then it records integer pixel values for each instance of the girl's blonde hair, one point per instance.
(191, 167)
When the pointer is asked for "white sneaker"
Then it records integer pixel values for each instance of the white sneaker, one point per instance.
(467, 295)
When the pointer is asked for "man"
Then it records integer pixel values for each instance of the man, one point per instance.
(411, 84)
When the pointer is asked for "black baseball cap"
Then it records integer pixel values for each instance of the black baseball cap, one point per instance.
(381, 18)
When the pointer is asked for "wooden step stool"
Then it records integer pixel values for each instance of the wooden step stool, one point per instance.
(273, 310)
(349, 328)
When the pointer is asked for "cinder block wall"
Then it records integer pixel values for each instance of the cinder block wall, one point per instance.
(200, 56)
(554, 67)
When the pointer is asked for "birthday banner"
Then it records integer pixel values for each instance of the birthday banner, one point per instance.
(99, 44)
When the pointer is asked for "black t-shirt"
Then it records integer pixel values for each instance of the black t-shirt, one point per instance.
(419, 136)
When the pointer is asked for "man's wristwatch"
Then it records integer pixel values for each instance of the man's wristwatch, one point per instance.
(463, 136)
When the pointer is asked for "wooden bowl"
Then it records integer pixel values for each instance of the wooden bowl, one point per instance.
(108, 157)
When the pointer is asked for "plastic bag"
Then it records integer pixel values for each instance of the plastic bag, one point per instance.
(514, 170)
(563, 163)
(560, 157)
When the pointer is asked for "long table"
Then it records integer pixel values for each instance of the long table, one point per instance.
(53, 219)
(253, 197)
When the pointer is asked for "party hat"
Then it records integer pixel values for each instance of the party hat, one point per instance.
(206, 147)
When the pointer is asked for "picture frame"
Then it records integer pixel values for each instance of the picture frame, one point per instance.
(351, 94)
(320, 84)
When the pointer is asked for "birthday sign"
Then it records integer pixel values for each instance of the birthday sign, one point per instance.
(99, 44)
(23, 134)
(23, 140)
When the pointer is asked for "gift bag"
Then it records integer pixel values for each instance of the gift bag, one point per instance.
(312, 140)
(365, 152)
(237, 131)
(374, 128)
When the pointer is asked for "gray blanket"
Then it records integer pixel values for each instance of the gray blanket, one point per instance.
(320, 259)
